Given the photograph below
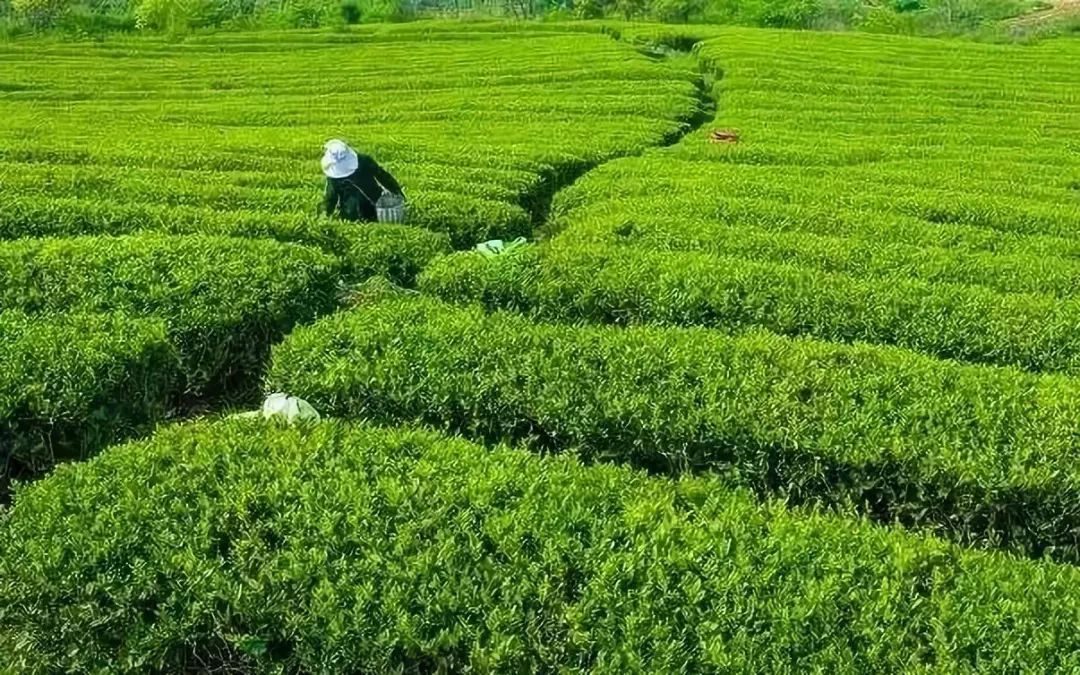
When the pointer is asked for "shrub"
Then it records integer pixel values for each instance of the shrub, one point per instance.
(374, 11)
(83, 21)
(851, 243)
(466, 220)
(71, 384)
(985, 454)
(224, 300)
(787, 13)
(350, 11)
(677, 11)
(348, 548)
(626, 285)
(363, 247)
(398, 252)
(30, 216)
(39, 13)
(307, 13)
(174, 16)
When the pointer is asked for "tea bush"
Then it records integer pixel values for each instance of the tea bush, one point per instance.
(987, 455)
(224, 300)
(72, 384)
(567, 281)
(352, 548)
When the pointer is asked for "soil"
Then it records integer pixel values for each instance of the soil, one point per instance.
(1061, 8)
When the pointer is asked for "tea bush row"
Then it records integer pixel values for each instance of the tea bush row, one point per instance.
(224, 300)
(570, 281)
(453, 219)
(936, 193)
(71, 384)
(693, 225)
(353, 548)
(796, 243)
(988, 455)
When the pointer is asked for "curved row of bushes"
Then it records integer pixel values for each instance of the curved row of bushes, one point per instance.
(71, 384)
(867, 257)
(570, 281)
(667, 184)
(224, 300)
(987, 455)
(461, 222)
(104, 336)
(355, 549)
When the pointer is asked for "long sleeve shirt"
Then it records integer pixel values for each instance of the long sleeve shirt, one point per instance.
(354, 196)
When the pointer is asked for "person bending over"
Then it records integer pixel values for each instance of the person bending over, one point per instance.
(354, 182)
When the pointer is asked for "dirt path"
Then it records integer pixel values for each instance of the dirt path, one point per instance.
(1061, 9)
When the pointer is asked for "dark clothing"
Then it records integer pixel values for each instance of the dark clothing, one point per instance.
(354, 196)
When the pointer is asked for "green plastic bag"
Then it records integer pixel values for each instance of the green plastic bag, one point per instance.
(496, 247)
(288, 409)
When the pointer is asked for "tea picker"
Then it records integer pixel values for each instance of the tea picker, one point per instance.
(358, 188)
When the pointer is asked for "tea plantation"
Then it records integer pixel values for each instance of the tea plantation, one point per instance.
(800, 397)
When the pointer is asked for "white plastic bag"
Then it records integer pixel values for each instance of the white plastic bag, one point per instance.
(284, 407)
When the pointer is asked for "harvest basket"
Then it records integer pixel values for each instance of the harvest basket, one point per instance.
(390, 208)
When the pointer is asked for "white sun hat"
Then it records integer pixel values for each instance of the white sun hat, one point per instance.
(339, 160)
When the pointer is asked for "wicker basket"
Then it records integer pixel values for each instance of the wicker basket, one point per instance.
(390, 208)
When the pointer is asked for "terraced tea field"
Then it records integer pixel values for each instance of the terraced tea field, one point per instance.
(181, 182)
(218, 136)
(808, 401)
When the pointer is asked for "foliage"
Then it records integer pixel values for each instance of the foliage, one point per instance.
(985, 454)
(71, 384)
(631, 286)
(869, 220)
(978, 18)
(349, 548)
(224, 300)
(174, 16)
(478, 150)
(894, 211)
(394, 251)
(39, 13)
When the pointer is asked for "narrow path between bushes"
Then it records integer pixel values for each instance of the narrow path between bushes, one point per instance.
(538, 202)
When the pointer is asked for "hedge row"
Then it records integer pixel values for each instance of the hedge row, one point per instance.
(224, 300)
(937, 194)
(627, 285)
(487, 144)
(354, 549)
(464, 222)
(271, 191)
(987, 455)
(864, 258)
(71, 384)
(779, 213)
